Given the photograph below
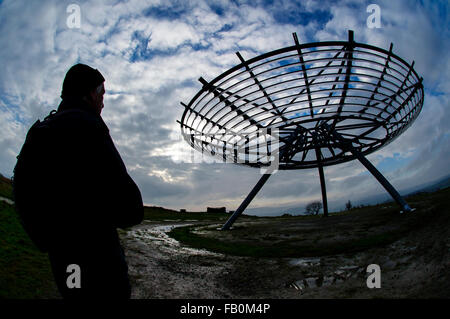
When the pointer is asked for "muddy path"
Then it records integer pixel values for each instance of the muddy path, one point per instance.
(416, 266)
(159, 267)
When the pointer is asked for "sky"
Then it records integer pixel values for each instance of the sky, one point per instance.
(152, 54)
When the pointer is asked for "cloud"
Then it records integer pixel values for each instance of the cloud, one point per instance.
(152, 53)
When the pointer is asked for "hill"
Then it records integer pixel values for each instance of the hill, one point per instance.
(5, 187)
(435, 186)
(155, 213)
(24, 271)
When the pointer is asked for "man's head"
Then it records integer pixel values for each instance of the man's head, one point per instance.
(86, 83)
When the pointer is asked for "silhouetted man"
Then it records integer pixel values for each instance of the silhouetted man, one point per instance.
(89, 193)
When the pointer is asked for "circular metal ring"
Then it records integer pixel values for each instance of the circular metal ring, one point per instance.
(284, 103)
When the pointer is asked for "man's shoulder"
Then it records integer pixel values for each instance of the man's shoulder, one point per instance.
(76, 118)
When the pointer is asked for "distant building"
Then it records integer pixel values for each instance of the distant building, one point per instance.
(216, 210)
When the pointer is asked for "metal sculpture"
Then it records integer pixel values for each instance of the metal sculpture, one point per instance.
(305, 106)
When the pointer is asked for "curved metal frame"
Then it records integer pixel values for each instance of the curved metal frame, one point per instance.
(329, 102)
(367, 94)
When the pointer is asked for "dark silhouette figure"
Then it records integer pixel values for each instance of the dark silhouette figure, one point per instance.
(87, 191)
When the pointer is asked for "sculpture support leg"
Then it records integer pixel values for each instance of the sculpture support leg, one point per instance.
(246, 201)
(383, 181)
(322, 184)
(372, 169)
(324, 191)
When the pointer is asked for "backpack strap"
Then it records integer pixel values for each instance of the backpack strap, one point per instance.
(52, 112)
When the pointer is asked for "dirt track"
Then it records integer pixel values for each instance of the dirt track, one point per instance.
(415, 266)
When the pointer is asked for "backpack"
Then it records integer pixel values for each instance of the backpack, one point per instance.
(29, 183)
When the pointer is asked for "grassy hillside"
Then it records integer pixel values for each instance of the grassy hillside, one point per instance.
(304, 236)
(25, 272)
(5, 187)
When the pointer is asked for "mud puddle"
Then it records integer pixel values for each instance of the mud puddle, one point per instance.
(157, 235)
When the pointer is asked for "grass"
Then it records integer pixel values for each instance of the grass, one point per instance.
(287, 248)
(25, 272)
(5, 187)
(360, 229)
